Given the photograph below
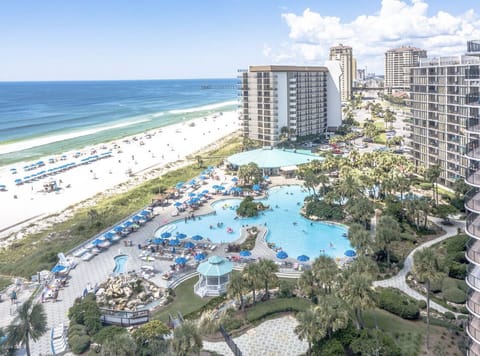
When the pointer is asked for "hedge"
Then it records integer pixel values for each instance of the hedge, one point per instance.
(79, 344)
(395, 302)
(454, 295)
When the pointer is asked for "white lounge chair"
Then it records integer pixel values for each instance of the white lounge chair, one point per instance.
(88, 256)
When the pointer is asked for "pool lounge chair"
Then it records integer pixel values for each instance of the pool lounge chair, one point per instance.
(88, 256)
(80, 252)
(59, 347)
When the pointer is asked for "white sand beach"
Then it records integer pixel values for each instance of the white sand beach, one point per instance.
(130, 158)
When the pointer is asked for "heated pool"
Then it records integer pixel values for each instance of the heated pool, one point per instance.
(286, 227)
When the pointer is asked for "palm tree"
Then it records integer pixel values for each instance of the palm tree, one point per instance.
(432, 174)
(361, 210)
(387, 230)
(307, 327)
(357, 293)
(325, 270)
(332, 315)
(425, 268)
(308, 285)
(267, 270)
(30, 323)
(186, 339)
(360, 239)
(250, 274)
(236, 287)
(119, 345)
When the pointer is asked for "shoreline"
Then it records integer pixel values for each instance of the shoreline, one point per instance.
(132, 157)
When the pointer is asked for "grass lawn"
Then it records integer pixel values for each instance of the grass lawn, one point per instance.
(39, 251)
(271, 307)
(410, 335)
(5, 282)
(186, 301)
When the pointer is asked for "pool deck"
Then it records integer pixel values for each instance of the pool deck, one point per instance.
(98, 269)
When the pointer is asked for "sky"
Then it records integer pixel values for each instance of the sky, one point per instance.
(152, 39)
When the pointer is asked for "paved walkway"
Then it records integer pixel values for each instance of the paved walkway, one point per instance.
(399, 281)
(274, 337)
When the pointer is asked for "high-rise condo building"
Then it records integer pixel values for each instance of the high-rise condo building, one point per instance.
(472, 199)
(344, 55)
(397, 64)
(278, 102)
(440, 110)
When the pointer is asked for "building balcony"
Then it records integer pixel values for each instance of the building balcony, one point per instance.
(472, 99)
(473, 349)
(473, 179)
(473, 277)
(472, 201)
(472, 227)
(473, 253)
(473, 303)
(473, 153)
(473, 329)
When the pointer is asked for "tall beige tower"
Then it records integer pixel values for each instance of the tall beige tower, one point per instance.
(344, 55)
(397, 64)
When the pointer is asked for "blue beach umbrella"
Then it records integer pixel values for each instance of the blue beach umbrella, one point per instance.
(220, 187)
(205, 191)
(137, 218)
(109, 235)
(180, 236)
(192, 182)
(97, 242)
(174, 242)
(234, 179)
(197, 237)
(128, 223)
(189, 244)
(200, 257)
(180, 260)
(118, 229)
(303, 258)
(245, 253)
(282, 255)
(165, 235)
(18, 181)
(350, 253)
(216, 186)
(256, 187)
(191, 194)
(157, 240)
(145, 212)
(58, 268)
(179, 185)
(177, 204)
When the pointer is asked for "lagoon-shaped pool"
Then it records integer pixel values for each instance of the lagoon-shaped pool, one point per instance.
(289, 230)
(120, 264)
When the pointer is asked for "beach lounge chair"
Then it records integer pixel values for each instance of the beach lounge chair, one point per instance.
(87, 256)
(80, 252)
(59, 346)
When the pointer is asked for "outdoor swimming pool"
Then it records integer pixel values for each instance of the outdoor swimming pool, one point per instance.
(120, 263)
(295, 234)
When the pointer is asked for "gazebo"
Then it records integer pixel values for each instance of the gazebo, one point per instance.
(214, 275)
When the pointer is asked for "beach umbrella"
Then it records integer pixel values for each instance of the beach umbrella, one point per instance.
(215, 186)
(350, 253)
(145, 212)
(174, 242)
(245, 253)
(256, 187)
(303, 258)
(58, 268)
(220, 187)
(180, 260)
(97, 242)
(180, 236)
(177, 204)
(165, 235)
(282, 255)
(118, 229)
(128, 223)
(200, 257)
(266, 177)
(191, 194)
(179, 185)
(202, 177)
(197, 237)
(205, 191)
(234, 179)
(157, 241)
(18, 181)
(192, 182)
(137, 218)
(189, 244)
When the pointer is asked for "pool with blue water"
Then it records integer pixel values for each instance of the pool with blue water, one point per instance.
(120, 264)
(287, 229)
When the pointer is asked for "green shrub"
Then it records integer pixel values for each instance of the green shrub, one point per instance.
(425, 186)
(454, 295)
(422, 304)
(247, 208)
(107, 333)
(449, 283)
(212, 303)
(449, 315)
(79, 344)
(436, 285)
(456, 243)
(231, 324)
(324, 210)
(457, 270)
(273, 306)
(393, 301)
(76, 329)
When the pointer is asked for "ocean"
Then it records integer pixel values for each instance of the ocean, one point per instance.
(38, 119)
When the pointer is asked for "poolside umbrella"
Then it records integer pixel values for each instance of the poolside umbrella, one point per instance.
(245, 253)
(145, 212)
(234, 179)
(180, 260)
(220, 187)
(157, 240)
(174, 242)
(193, 201)
(192, 182)
(303, 258)
(216, 187)
(179, 185)
(18, 181)
(97, 242)
(189, 244)
(128, 223)
(282, 255)
(256, 187)
(205, 191)
(350, 253)
(202, 177)
(191, 194)
(200, 257)
(137, 218)
(197, 237)
(58, 268)
(118, 229)
(165, 235)
(180, 236)
(109, 235)
(177, 204)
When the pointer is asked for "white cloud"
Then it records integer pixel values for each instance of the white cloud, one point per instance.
(396, 23)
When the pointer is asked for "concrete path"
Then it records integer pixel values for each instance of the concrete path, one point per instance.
(399, 281)
(274, 337)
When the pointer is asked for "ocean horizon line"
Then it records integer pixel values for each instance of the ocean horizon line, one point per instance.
(109, 80)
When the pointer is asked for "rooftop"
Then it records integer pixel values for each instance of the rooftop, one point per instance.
(279, 68)
(215, 266)
(273, 158)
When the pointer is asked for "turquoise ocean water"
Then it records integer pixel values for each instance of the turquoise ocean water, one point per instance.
(100, 111)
